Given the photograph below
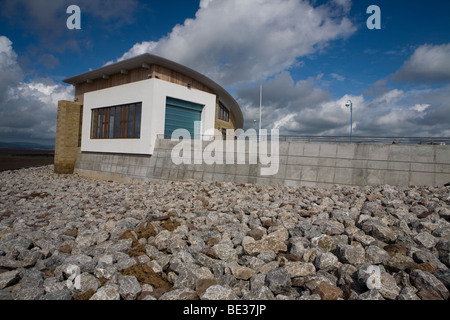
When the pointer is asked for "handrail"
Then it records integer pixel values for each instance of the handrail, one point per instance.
(344, 139)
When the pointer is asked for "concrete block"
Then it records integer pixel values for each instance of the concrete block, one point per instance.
(397, 178)
(346, 151)
(254, 170)
(326, 162)
(293, 172)
(378, 152)
(359, 176)
(294, 160)
(309, 173)
(295, 148)
(442, 179)
(218, 176)
(443, 154)
(243, 170)
(198, 175)
(157, 172)
(442, 168)
(283, 148)
(422, 179)
(344, 163)
(423, 167)
(311, 149)
(375, 177)
(399, 166)
(399, 153)
(325, 174)
(362, 151)
(309, 161)
(220, 168)
(343, 176)
(422, 153)
(328, 150)
(281, 174)
(375, 164)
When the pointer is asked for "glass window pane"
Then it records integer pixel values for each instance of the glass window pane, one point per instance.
(137, 123)
(116, 122)
(99, 125)
(111, 122)
(130, 121)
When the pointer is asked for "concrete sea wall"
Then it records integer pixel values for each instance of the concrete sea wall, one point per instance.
(299, 164)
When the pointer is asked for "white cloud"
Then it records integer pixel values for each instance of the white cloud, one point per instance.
(28, 109)
(428, 64)
(237, 41)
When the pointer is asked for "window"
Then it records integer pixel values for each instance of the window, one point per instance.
(118, 122)
(224, 114)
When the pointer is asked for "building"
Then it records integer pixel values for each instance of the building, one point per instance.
(122, 108)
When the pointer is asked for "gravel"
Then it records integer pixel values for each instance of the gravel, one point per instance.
(66, 237)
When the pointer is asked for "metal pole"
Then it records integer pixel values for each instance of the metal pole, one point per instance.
(351, 122)
(260, 106)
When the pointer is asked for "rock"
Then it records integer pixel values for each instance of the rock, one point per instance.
(63, 294)
(129, 287)
(408, 293)
(389, 288)
(242, 273)
(328, 292)
(378, 230)
(326, 261)
(396, 248)
(299, 269)
(225, 251)
(426, 240)
(371, 295)
(106, 293)
(9, 278)
(256, 233)
(398, 262)
(444, 277)
(376, 255)
(426, 283)
(203, 284)
(278, 281)
(180, 294)
(351, 254)
(218, 292)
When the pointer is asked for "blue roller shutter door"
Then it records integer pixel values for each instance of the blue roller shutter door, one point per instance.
(181, 114)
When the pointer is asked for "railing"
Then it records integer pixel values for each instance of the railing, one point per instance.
(343, 139)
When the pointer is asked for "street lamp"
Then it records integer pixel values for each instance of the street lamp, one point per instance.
(349, 104)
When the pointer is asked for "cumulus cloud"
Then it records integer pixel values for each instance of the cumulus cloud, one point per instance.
(238, 41)
(428, 64)
(28, 109)
(303, 108)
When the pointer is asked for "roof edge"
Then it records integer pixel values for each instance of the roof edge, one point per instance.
(150, 59)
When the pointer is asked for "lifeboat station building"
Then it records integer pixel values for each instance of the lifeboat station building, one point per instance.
(123, 108)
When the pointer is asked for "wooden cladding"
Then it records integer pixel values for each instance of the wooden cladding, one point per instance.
(118, 122)
(129, 76)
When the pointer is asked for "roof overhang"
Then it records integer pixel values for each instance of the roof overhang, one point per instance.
(146, 60)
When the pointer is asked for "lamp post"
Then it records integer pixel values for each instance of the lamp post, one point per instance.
(349, 104)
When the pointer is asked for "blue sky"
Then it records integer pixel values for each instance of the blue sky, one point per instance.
(312, 56)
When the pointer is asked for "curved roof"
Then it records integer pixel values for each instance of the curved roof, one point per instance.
(149, 59)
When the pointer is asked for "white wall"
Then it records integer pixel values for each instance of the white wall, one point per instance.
(152, 93)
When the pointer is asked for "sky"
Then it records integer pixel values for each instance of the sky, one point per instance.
(311, 57)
